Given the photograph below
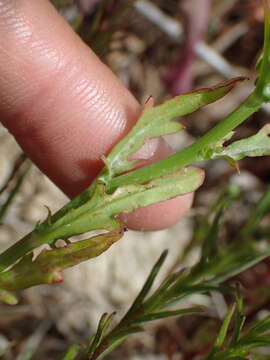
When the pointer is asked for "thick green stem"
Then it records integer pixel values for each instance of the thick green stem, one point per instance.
(30, 242)
(192, 153)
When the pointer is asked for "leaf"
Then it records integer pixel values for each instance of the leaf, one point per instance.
(259, 328)
(239, 318)
(100, 211)
(115, 336)
(7, 297)
(156, 121)
(232, 261)
(256, 216)
(147, 286)
(263, 82)
(114, 340)
(209, 247)
(48, 266)
(256, 145)
(72, 353)
(103, 325)
(224, 329)
(166, 314)
(184, 292)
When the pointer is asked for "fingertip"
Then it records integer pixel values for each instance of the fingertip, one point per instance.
(158, 216)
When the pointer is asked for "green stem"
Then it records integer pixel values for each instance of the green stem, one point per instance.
(192, 153)
(256, 216)
(28, 243)
(263, 83)
(188, 156)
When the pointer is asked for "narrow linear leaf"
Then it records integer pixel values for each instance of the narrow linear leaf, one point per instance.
(72, 353)
(184, 292)
(210, 243)
(7, 297)
(166, 314)
(256, 216)
(114, 340)
(103, 325)
(224, 328)
(260, 327)
(108, 349)
(255, 342)
(230, 262)
(239, 318)
(147, 286)
(117, 335)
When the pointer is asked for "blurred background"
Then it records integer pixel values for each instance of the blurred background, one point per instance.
(157, 48)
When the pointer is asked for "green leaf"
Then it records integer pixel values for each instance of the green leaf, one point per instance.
(209, 247)
(114, 340)
(72, 353)
(166, 314)
(259, 328)
(116, 335)
(184, 292)
(256, 145)
(48, 266)
(8, 297)
(156, 121)
(239, 318)
(256, 216)
(232, 261)
(103, 325)
(263, 82)
(100, 211)
(224, 329)
(147, 286)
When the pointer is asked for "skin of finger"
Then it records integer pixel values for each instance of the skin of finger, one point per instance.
(62, 104)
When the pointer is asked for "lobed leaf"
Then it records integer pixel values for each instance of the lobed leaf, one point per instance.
(48, 266)
(100, 211)
(156, 121)
(256, 145)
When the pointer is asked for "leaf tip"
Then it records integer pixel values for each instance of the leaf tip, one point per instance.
(231, 83)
